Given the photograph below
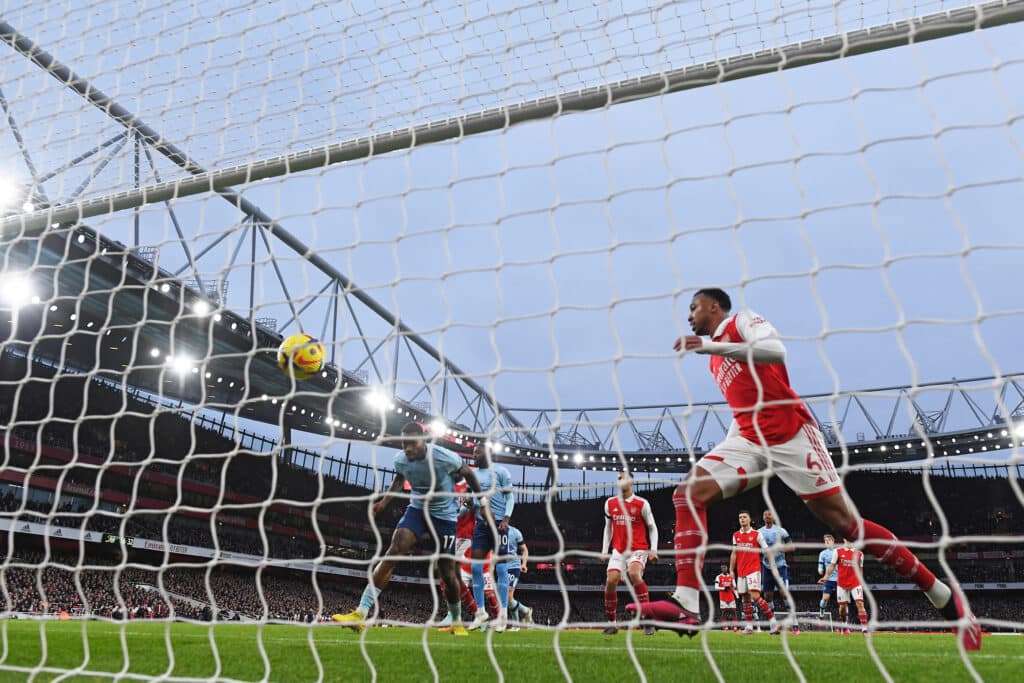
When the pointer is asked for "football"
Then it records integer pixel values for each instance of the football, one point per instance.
(301, 356)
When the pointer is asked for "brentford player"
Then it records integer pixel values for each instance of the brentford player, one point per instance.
(628, 522)
(745, 566)
(726, 598)
(771, 426)
(849, 562)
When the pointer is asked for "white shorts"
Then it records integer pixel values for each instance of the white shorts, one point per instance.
(620, 562)
(726, 605)
(802, 463)
(462, 548)
(750, 582)
(843, 596)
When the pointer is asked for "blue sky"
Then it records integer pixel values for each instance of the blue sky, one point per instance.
(869, 206)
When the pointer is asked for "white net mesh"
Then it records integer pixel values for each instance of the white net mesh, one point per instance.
(494, 219)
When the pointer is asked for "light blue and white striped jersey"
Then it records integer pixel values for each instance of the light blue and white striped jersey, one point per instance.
(825, 559)
(774, 537)
(431, 476)
(496, 485)
(515, 539)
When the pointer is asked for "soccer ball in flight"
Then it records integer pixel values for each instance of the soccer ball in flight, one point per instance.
(301, 356)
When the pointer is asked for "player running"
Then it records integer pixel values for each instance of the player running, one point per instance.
(517, 566)
(726, 598)
(825, 559)
(774, 569)
(849, 563)
(745, 565)
(771, 425)
(628, 522)
(494, 508)
(432, 513)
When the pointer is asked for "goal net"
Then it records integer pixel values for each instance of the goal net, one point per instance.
(489, 221)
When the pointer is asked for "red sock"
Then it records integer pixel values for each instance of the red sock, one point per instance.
(642, 595)
(881, 543)
(691, 534)
(611, 603)
(492, 602)
(863, 616)
(748, 612)
(764, 608)
(467, 598)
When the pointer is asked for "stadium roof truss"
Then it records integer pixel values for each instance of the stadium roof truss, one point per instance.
(378, 345)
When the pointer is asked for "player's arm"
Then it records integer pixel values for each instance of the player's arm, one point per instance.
(732, 563)
(607, 532)
(510, 500)
(831, 568)
(718, 582)
(787, 545)
(396, 485)
(761, 345)
(652, 530)
(524, 558)
(821, 563)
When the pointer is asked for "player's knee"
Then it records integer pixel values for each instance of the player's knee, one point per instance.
(697, 491)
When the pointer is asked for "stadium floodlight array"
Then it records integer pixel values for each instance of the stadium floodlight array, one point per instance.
(486, 214)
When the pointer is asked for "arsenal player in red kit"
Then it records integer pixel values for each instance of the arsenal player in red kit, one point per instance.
(771, 429)
(745, 565)
(848, 585)
(726, 598)
(628, 523)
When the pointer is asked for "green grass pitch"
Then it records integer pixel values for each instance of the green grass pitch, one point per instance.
(328, 653)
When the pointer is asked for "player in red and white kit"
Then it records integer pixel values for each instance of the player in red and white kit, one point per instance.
(628, 523)
(463, 542)
(771, 428)
(848, 585)
(745, 566)
(726, 598)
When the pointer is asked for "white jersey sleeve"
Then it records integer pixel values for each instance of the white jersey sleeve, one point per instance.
(652, 528)
(607, 529)
(761, 343)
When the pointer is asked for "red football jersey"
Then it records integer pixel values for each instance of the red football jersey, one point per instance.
(630, 519)
(466, 525)
(748, 552)
(778, 423)
(848, 560)
(723, 584)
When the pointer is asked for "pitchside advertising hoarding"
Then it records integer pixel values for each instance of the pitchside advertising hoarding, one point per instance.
(243, 559)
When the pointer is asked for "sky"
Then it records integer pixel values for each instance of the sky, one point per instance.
(868, 206)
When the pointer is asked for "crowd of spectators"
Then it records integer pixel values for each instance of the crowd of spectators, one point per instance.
(121, 429)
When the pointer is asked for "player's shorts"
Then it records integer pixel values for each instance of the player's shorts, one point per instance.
(726, 605)
(802, 463)
(843, 595)
(620, 562)
(768, 578)
(513, 576)
(828, 587)
(750, 582)
(484, 539)
(415, 521)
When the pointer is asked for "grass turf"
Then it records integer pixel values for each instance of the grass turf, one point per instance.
(295, 653)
